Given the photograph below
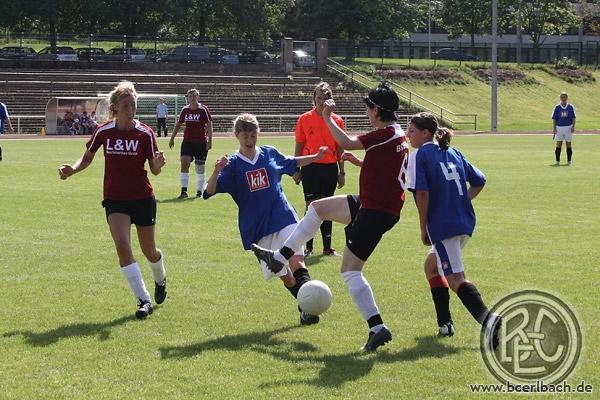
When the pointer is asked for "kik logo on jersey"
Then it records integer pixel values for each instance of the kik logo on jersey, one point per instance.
(257, 179)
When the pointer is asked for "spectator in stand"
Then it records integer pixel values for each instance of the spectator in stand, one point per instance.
(84, 123)
(4, 119)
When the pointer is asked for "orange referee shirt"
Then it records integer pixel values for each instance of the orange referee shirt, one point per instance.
(314, 133)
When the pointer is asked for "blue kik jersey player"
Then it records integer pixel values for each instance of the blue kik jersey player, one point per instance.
(252, 176)
(438, 177)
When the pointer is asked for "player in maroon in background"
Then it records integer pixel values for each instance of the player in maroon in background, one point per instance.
(128, 195)
(197, 140)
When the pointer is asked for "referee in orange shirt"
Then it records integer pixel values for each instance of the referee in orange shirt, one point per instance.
(320, 178)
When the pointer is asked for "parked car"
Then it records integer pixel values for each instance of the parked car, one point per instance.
(223, 56)
(91, 53)
(153, 55)
(18, 53)
(303, 59)
(255, 56)
(448, 53)
(190, 54)
(58, 53)
(125, 54)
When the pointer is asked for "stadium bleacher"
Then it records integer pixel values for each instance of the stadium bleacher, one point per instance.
(276, 100)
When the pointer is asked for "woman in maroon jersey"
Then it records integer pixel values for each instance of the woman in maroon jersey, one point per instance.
(367, 216)
(128, 195)
(197, 141)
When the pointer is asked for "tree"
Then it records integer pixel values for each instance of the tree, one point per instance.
(472, 17)
(547, 17)
(352, 19)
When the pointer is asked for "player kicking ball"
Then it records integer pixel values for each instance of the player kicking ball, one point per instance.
(368, 216)
(252, 176)
(438, 175)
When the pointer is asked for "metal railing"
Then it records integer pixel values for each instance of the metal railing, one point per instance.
(412, 99)
(270, 123)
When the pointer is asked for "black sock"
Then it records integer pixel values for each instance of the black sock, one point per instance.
(374, 321)
(472, 300)
(302, 277)
(326, 228)
(309, 244)
(557, 153)
(286, 252)
(184, 189)
(441, 301)
(569, 153)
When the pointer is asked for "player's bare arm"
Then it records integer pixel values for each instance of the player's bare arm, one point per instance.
(67, 170)
(346, 142)
(157, 162)
(305, 160)
(209, 135)
(211, 185)
(297, 177)
(422, 200)
(351, 158)
(474, 191)
(175, 130)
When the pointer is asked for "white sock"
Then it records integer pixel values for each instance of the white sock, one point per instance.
(158, 268)
(361, 293)
(200, 177)
(305, 230)
(184, 179)
(136, 283)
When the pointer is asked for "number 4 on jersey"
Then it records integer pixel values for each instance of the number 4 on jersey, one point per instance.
(452, 175)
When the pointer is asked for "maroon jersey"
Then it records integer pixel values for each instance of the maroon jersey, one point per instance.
(195, 123)
(382, 173)
(125, 153)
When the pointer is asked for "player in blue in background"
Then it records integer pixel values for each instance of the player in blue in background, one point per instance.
(252, 176)
(563, 127)
(438, 176)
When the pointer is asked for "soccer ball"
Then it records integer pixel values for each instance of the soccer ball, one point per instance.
(314, 297)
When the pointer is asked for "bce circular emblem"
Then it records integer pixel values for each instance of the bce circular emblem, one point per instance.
(539, 339)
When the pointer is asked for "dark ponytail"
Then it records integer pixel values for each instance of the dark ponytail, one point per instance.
(443, 136)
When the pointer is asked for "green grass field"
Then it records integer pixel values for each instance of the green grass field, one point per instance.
(67, 328)
(521, 106)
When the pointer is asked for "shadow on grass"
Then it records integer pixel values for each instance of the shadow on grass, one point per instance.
(338, 369)
(258, 341)
(334, 370)
(177, 200)
(62, 332)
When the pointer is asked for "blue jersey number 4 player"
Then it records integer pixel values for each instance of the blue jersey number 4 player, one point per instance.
(252, 176)
(438, 175)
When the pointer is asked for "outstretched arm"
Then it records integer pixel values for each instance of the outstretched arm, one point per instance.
(305, 160)
(346, 142)
(67, 170)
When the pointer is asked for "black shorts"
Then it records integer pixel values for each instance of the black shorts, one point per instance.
(197, 151)
(319, 180)
(142, 212)
(367, 228)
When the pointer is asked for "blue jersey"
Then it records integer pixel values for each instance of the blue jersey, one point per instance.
(255, 186)
(3, 116)
(444, 174)
(564, 116)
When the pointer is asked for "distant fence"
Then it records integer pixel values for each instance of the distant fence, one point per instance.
(269, 123)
